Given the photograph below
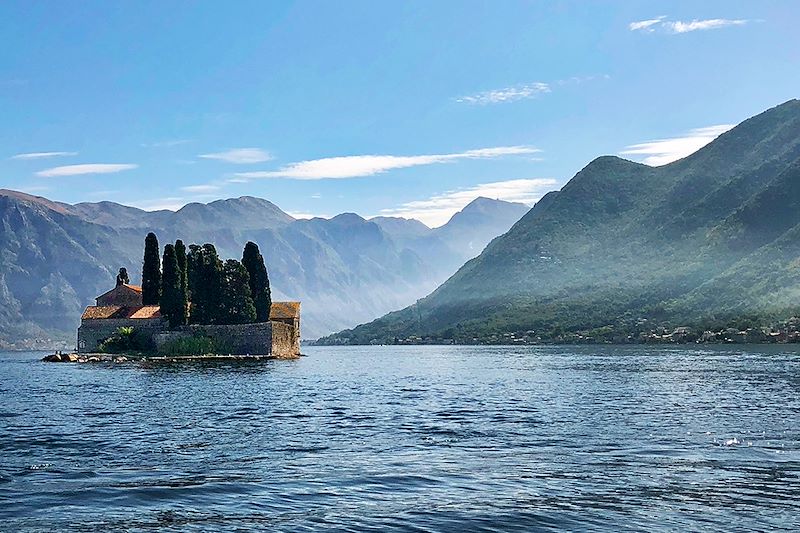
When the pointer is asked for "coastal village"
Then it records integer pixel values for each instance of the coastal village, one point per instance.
(786, 332)
(190, 305)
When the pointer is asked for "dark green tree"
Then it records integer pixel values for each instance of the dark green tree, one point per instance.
(151, 271)
(171, 304)
(193, 257)
(236, 305)
(253, 261)
(180, 255)
(205, 283)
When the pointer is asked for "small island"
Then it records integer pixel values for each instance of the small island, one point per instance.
(190, 305)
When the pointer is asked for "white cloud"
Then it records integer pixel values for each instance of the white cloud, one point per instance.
(368, 165)
(679, 26)
(645, 25)
(438, 209)
(663, 151)
(172, 203)
(507, 94)
(201, 189)
(300, 215)
(240, 156)
(42, 155)
(694, 25)
(76, 170)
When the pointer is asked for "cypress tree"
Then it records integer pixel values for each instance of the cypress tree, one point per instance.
(151, 271)
(236, 304)
(183, 277)
(253, 261)
(180, 256)
(205, 283)
(171, 305)
(193, 262)
(192, 267)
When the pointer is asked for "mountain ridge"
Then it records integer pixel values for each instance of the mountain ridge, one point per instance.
(623, 243)
(56, 257)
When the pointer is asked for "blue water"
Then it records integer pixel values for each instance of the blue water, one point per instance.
(407, 438)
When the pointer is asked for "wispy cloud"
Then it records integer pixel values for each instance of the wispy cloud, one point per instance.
(303, 215)
(708, 24)
(172, 203)
(645, 25)
(679, 26)
(240, 156)
(42, 155)
(525, 91)
(201, 189)
(356, 166)
(506, 94)
(77, 170)
(167, 144)
(663, 151)
(438, 209)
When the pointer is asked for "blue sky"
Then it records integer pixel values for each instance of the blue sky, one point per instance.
(395, 108)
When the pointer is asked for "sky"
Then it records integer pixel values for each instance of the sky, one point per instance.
(386, 108)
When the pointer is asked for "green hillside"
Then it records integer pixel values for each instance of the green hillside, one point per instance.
(625, 247)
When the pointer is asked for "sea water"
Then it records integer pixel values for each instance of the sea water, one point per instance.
(426, 438)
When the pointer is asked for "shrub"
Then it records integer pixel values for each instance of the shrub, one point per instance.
(125, 339)
(194, 346)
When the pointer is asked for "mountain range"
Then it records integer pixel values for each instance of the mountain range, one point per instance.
(56, 257)
(624, 248)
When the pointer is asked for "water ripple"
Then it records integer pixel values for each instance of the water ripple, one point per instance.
(407, 439)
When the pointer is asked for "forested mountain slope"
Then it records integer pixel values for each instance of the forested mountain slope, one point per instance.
(623, 247)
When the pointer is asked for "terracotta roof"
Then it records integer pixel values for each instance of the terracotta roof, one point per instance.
(134, 288)
(103, 312)
(284, 310)
(146, 311)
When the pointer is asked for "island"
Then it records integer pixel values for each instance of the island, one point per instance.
(190, 305)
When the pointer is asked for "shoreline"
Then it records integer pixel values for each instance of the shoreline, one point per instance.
(73, 357)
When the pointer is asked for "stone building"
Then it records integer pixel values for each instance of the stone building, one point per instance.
(122, 307)
(117, 308)
(288, 313)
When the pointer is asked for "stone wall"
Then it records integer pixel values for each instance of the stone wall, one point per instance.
(92, 332)
(283, 341)
(294, 326)
(265, 338)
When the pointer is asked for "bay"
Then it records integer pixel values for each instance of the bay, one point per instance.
(428, 438)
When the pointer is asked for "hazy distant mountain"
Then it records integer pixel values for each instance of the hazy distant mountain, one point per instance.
(624, 246)
(463, 237)
(55, 257)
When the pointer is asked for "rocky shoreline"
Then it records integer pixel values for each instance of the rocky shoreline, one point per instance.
(60, 357)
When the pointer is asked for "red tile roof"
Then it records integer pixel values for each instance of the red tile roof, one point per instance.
(104, 312)
(134, 288)
(284, 310)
